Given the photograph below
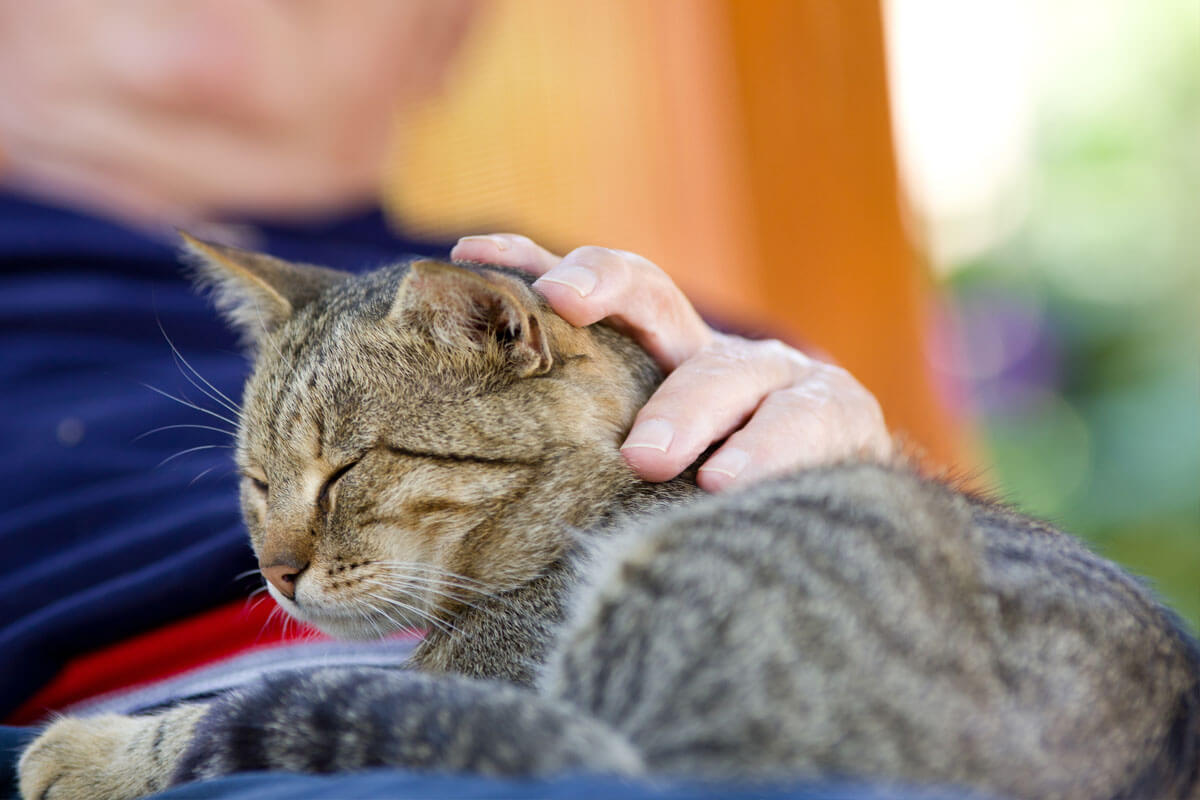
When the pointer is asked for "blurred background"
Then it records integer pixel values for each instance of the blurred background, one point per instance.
(985, 210)
(1052, 155)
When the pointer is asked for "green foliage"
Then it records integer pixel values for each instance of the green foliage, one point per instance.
(1108, 444)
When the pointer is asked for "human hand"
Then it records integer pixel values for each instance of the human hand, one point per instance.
(778, 408)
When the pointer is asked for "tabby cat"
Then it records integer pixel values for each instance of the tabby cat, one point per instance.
(429, 444)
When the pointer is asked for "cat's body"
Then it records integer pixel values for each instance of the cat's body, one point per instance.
(434, 444)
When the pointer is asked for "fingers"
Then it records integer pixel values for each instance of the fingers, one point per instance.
(595, 283)
(705, 399)
(634, 295)
(776, 408)
(825, 417)
(506, 249)
(780, 410)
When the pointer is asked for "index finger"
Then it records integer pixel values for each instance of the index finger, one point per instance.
(595, 283)
(507, 250)
(633, 294)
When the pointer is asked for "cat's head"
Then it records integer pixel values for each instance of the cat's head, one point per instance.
(415, 436)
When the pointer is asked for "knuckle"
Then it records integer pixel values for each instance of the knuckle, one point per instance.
(609, 265)
(644, 266)
(768, 351)
(594, 256)
(773, 347)
(710, 364)
(802, 409)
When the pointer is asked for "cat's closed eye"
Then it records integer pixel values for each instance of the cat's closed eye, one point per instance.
(324, 498)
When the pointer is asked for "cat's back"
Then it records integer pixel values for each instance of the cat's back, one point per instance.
(861, 620)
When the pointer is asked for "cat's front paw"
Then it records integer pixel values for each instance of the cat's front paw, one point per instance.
(109, 757)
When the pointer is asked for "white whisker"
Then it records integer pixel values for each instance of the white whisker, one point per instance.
(201, 475)
(445, 626)
(190, 404)
(223, 404)
(404, 623)
(267, 622)
(174, 456)
(219, 396)
(225, 431)
(401, 581)
(408, 587)
(415, 565)
(266, 337)
(367, 617)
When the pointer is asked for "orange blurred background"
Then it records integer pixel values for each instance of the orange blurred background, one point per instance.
(745, 147)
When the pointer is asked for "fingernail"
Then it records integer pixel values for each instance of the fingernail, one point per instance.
(581, 279)
(498, 242)
(653, 434)
(730, 461)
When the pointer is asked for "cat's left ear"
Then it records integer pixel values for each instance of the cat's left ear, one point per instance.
(481, 310)
(256, 292)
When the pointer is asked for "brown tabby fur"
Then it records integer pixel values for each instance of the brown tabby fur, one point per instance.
(431, 444)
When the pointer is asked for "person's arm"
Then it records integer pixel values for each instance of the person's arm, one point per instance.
(775, 407)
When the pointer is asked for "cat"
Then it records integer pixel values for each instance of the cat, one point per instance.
(429, 444)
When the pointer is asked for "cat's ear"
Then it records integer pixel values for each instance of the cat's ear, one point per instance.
(255, 292)
(478, 310)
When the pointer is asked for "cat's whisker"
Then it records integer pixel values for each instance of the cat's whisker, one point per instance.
(427, 580)
(445, 626)
(216, 394)
(174, 456)
(416, 565)
(367, 617)
(223, 404)
(255, 571)
(191, 405)
(252, 606)
(404, 581)
(266, 337)
(225, 431)
(268, 621)
(404, 623)
(431, 590)
(201, 475)
(411, 588)
(379, 633)
(414, 611)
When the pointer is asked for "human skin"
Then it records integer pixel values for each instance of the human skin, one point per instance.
(775, 408)
(171, 113)
(177, 113)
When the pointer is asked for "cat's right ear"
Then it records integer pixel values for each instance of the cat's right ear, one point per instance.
(255, 292)
(477, 310)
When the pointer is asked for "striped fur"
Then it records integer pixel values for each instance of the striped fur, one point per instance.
(436, 436)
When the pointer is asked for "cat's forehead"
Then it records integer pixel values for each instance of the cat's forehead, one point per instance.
(349, 377)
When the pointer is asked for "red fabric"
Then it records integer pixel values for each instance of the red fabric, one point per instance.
(161, 653)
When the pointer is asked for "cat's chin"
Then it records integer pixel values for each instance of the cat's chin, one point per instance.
(347, 630)
(351, 627)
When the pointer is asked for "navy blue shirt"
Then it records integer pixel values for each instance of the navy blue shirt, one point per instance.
(99, 538)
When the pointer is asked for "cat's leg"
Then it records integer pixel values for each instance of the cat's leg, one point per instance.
(108, 757)
(345, 719)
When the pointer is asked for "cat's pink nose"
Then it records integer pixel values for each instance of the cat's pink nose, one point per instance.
(282, 575)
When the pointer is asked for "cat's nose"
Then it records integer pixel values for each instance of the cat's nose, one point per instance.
(283, 574)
